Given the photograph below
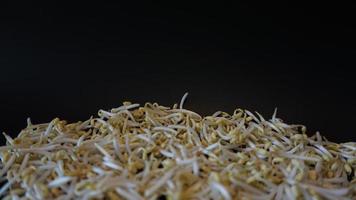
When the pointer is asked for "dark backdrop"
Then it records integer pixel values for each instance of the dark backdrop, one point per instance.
(68, 61)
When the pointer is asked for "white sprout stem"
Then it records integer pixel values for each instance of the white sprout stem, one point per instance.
(49, 128)
(125, 107)
(5, 148)
(165, 129)
(353, 148)
(80, 140)
(196, 168)
(113, 165)
(105, 113)
(194, 135)
(296, 148)
(8, 139)
(145, 138)
(252, 115)
(59, 168)
(299, 157)
(99, 171)
(224, 137)
(167, 153)
(185, 161)
(177, 127)
(217, 113)
(183, 151)
(321, 148)
(205, 134)
(105, 123)
(127, 144)
(59, 181)
(247, 187)
(7, 165)
(102, 150)
(210, 148)
(183, 100)
(29, 123)
(279, 194)
(261, 117)
(5, 187)
(39, 149)
(222, 190)
(159, 183)
(128, 114)
(274, 115)
(128, 194)
(191, 113)
(24, 162)
(338, 193)
(117, 148)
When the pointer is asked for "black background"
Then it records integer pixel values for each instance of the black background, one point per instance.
(68, 61)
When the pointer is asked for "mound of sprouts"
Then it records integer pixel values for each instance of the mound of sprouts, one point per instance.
(157, 152)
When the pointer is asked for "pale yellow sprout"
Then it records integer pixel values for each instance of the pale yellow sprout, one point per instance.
(155, 152)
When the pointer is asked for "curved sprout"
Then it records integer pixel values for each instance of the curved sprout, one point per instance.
(183, 100)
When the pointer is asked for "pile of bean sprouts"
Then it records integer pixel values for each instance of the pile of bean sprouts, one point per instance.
(157, 152)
